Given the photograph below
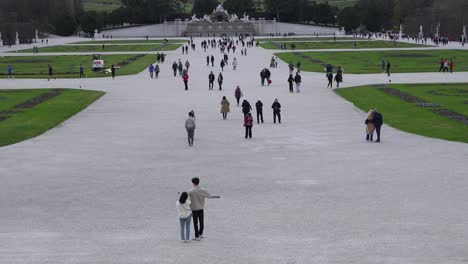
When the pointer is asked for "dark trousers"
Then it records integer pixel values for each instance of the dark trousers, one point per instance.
(291, 88)
(248, 131)
(237, 98)
(210, 85)
(259, 116)
(220, 85)
(377, 130)
(186, 85)
(197, 216)
(276, 114)
(224, 115)
(330, 83)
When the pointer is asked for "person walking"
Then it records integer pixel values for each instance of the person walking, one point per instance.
(291, 67)
(339, 76)
(10, 72)
(276, 106)
(298, 66)
(174, 68)
(113, 71)
(212, 61)
(377, 120)
(190, 127)
(238, 95)
(51, 73)
(298, 81)
(82, 71)
(259, 108)
(246, 108)
(330, 79)
(441, 63)
(234, 64)
(383, 64)
(248, 124)
(370, 127)
(197, 198)
(262, 77)
(388, 68)
(185, 77)
(185, 216)
(290, 82)
(180, 68)
(451, 65)
(225, 107)
(151, 71)
(187, 65)
(222, 64)
(156, 71)
(220, 81)
(208, 60)
(211, 79)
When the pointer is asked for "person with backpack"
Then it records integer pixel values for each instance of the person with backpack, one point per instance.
(82, 71)
(330, 79)
(276, 106)
(220, 81)
(185, 216)
(222, 64)
(185, 78)
(113, 71)
(259, 108)
(190, 127)
(225, 107)
(238, 94)
(377, 120)
(197, 198)
(51, 73)
(248, 124)
(298, 81)
(211, 79)
(187, 63)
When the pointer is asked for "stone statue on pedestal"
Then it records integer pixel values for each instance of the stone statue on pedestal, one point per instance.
(207, 18)
(437, 31)
(234, 18)
(17, 41)
(194, 18)
(36, 36)
(96, 34)
(400, 34)
(245, 18)
(421, 33)
(1, 40)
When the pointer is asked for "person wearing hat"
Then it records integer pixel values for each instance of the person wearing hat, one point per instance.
(276, 106)
(377, 120)
(259, 107)
(190, 127)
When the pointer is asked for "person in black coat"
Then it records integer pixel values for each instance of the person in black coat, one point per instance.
(276, 106)
(211, 79)
(378, 122)
(246, 108)
(259, 107)
(290, 81)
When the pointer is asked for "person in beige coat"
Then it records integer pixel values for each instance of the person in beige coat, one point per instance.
(225, 107)
(370, 127)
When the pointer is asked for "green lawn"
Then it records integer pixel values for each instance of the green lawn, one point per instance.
(306, 39)
(412, 118)
(101, 5)
(68, 66)
(133, 41)
(361, 62)
(107, 48)
(24, 123)
(341, 45)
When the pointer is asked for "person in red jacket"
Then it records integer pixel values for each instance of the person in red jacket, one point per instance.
(185, 77)
(248, 124)
(451, 65)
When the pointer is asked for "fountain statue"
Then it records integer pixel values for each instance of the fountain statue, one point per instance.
(194, 18)
(437, 34)
(1, 40)
(17, 41)
(464, 33)
(421, 33)
(245, 18)
(400, 34)
(206, 18)
(234, 18)
(36, 36)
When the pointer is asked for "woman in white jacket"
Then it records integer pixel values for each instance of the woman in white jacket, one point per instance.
(185, 215)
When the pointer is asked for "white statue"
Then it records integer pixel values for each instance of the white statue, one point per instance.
(400, 34)
(245, 18)
(438, 30)
(96, 34)
(36, 35)
(421, 33)
(219, 8)
(234, 18)
(194, 18)
(1, 40)
(17, 41)
(207, 18)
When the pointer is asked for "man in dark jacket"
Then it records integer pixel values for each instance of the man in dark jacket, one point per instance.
(276, 111)
(259, 107)
(378, 122)
(211, 79)
(246, 108)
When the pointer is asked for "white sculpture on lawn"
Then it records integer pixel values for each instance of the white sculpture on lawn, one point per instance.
(245, 18)
(17, 41)
(234, 18)
(421, 33)
(206, 18)
(194, 18)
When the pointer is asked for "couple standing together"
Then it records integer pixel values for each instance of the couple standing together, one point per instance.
(191, 205)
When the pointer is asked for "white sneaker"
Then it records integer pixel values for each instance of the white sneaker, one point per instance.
(196, 239)
(202, 236)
